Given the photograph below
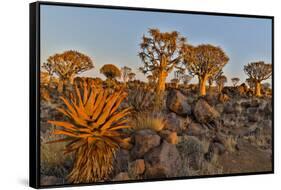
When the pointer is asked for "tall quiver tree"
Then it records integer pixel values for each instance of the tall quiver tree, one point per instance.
(160, 53)
(258, 71)
(66, 65)
(204, 61)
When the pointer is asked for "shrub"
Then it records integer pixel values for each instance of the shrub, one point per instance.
(93, 132)
(52, 157)
(141, 100)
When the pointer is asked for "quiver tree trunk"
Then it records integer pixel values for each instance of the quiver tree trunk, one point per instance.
(202, 85)
(220, 87)
(258, 88)
(161, 82)
(160, 89)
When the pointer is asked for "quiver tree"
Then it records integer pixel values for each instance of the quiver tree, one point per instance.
(131, 76)
(204, 61)
(160, 53)
(258, 71)
(66, 65)
(125, 71)
(220, 81)
(235, 81)
(110, 71)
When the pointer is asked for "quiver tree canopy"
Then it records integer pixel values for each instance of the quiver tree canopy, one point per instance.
(68, 64)
(258, 71)
(110, 71)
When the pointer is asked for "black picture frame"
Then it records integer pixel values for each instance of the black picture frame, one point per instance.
(34, 91)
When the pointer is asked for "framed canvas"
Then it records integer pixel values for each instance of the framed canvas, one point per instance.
(122, 94)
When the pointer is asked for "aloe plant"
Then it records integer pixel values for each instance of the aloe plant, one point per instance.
(93, 131)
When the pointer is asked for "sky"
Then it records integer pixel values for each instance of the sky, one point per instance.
(113, 36)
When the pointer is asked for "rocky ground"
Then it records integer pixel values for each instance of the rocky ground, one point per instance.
(202, 136)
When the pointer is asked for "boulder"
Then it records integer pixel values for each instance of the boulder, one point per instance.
(242, 89)
(173, 138)
(50, 180)
(136, 167)
(176, 123)
(228, 108)
(252, 110)
(223, 98)
(145, 140)
(268, 107)
(177, 103)
(230, 91)
(123, 176)
(232, 108)
(121, 161)
(220, 108)
(163, 161)
(255, 102)
(245, 104)
(169, 136)
(204, 113)
(253, 117)
(211, 99)
(196, 129)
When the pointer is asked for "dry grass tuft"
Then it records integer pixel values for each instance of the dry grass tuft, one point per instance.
(155, 122)
(230, 143)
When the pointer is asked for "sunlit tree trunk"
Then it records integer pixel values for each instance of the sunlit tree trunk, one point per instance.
(202, 85)
(71, 79)
(258, 88)
(161, 82)
(220, 87)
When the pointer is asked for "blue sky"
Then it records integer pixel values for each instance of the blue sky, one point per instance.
(113, 36)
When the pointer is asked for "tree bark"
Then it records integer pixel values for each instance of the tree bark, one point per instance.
(220, 87)
(258, 88)
(161, 82)
(202, 85)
